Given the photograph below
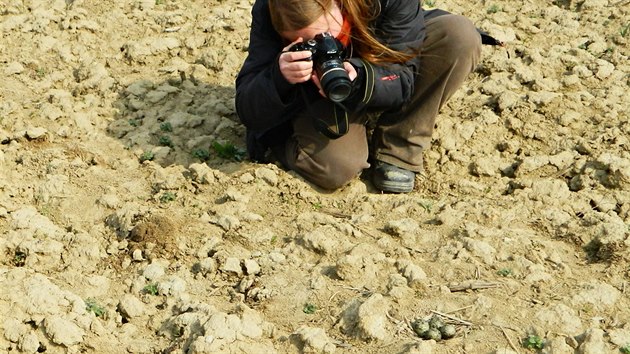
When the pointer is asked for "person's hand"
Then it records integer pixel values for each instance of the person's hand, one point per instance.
(352, 73)
(293, 66)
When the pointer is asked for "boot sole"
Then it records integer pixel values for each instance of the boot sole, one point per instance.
(393, 187)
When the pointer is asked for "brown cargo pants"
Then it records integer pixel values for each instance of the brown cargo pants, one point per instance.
(451, 51)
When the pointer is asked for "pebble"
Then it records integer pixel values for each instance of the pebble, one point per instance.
(137, 255)
(594, 342)
(232, 265)
(251, 267)
(277, 257)
(315, 340)
(130, 306)
(36, 133)
(267, 175)
(29, 343)
(402, 227)
(153, 271)
(14, 68)
(62, 331)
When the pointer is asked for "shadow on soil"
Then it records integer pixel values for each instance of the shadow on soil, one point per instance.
(180, 121)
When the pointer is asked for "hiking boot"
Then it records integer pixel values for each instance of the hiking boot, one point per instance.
(394, 179)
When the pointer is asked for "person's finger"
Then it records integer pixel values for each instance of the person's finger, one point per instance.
(317, 83)
(352, 72)
(295, 56)
(298, 40)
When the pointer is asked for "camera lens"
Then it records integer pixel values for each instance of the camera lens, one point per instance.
(334, 80)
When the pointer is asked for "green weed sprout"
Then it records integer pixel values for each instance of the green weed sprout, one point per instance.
(147, 156)
(228, 151)
(92, 306)
(533, 341)
(504, 272)
(625, 349)
(151, 289)
(494, 9)
(201, 154)
(309, 308)
(167, 197)
(166, 127)
(165, 140)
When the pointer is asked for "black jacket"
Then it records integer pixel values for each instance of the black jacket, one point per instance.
(265, 100)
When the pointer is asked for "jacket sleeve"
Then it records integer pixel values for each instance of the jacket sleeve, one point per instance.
(262, 93)
(400, 26)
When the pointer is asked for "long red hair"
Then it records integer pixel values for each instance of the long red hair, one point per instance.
(293, 15)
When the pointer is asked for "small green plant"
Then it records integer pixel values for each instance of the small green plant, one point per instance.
(309, 308)
(166, 127)
(317, 206)
(274, 239)
(201, 154)
(426, 205)
(165, 140)
(40, 72)
(19, 259)
(159, 2)
(625, 349)
(533, 341)
(151, 289)
(92, 306)
(147, 156)
(133, 122)
(494, 9)
(228, 151)
(504, 272)
(429, 3)
(625, 30)
(167, 197)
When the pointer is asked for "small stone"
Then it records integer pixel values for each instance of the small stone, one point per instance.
(402, 227)
(153, 271)
(315, 340)
(36, 133)
(130, 306)
(267, 175)
(228, 222)
(231, 265)
(277, 257)
(137, 255)
(251, 267)
(246, 177)
(208, 265)
(594, 342)
(14, 68)
(29, 343)
(63, 332)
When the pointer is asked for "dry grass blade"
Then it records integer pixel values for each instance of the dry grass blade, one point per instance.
(472, 285)
(509, 340)
(452, 318)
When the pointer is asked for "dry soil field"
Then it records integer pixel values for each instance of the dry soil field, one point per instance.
(128, 224)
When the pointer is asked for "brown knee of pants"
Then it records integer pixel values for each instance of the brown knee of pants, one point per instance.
(450, 52)
(328, 163)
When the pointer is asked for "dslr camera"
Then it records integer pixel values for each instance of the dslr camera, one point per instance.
(327, 56)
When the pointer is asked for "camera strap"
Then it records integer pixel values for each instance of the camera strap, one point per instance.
(337, 125)
(333, 126)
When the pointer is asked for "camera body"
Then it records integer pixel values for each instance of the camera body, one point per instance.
(327, 56)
